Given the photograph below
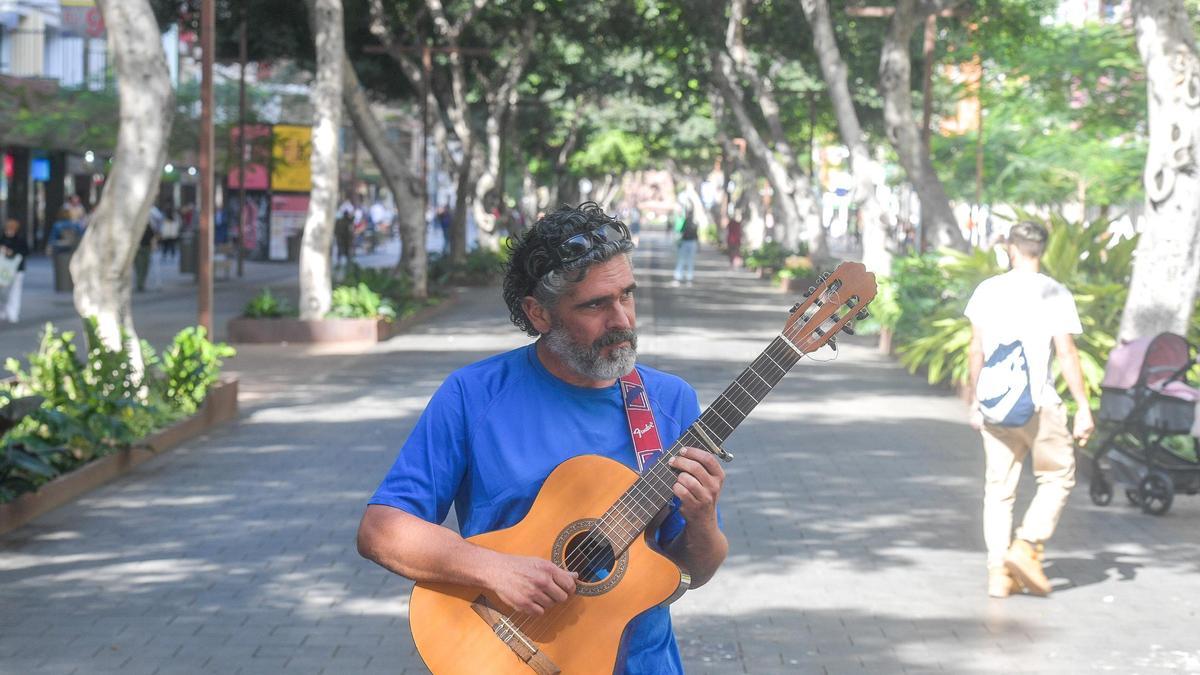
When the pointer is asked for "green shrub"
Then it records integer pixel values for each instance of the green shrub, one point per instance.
(481, 267)
(97, 406)
(770, 256)
(360, 302)
(190, 366)
(382, 281)
(924, 299)
(266, 306)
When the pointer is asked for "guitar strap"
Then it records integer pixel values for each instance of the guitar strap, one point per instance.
(646, 443)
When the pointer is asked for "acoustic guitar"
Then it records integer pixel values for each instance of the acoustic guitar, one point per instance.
(591, 516)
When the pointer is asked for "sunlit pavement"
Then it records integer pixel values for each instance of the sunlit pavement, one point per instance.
(852, 507)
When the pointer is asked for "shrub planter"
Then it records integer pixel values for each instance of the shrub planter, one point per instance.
(245, 330)
(797, 284)
(219, 406)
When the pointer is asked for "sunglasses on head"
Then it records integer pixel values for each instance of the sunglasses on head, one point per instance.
(577, 246)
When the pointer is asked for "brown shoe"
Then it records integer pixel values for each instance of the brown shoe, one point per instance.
(1024, 563)
(1000, 583)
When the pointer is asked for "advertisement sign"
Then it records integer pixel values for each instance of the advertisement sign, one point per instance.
(258, 155)
(291, 151)
(288, 213)
(82, 18)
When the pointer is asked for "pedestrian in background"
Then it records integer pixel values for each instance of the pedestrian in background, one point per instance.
(14, 250)
(1019, 319)
(168, 236)
(141, 260)
(65, 233)
(688, 242)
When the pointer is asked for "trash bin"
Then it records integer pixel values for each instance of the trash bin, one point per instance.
(62, 270)
(187, 253)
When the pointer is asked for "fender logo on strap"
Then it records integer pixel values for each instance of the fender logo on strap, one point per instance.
(646, 443)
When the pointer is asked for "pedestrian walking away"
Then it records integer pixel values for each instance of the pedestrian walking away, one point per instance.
(1016, 319)
(13, 252)
(687, 244)
(496, 429)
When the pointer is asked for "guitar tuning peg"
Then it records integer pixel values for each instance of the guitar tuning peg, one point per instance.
(848, 329)
(824, 276)
(833, 343)
(862, 315)
(794, 308)
(810, 291)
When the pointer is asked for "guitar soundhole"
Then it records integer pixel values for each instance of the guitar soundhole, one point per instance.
(584, 550)
(590, 556)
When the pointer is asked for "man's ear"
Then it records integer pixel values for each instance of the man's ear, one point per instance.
(538, 315)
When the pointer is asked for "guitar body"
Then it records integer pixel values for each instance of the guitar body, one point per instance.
(581, 635)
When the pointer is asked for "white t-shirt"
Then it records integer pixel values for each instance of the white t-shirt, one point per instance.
(1030, 307)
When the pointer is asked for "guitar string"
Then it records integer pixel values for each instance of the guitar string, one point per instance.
(656, 483)
(594, 552)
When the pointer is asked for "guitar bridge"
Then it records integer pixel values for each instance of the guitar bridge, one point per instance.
(522, 646)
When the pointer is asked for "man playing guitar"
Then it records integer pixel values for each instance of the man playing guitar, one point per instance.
(496, 429)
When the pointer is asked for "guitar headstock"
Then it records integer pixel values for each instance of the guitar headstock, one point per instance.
(839, 298)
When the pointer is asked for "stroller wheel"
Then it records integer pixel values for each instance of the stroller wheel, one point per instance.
(1156, 492)
(1100, 491)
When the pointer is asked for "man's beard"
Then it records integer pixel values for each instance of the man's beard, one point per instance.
(589, 360)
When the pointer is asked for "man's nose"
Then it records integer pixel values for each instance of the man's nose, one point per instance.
(621, 318)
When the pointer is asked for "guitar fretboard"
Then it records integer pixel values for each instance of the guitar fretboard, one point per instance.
(632, 513)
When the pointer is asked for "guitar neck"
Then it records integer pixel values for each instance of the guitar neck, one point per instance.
(633, 512)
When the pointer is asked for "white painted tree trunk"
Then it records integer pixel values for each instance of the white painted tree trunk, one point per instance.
(1166, 269)
(316, 268)
(895, 83)
(102, 267)
(866, 171)
(404, 185)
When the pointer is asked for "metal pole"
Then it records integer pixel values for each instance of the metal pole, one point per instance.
(427, 66)
(241, 221)
(205, 231)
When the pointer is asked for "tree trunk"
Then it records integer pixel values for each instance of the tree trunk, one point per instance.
(316, 269)
(895, 72)
(794, 201)
(866, 171)
(793, 188)
(404, 185)
(1166, 270)
(462, 203)
(102, 266)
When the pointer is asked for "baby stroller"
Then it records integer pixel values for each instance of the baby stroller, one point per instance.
(1149, 411)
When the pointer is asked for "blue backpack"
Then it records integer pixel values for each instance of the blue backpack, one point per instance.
(1004, 391)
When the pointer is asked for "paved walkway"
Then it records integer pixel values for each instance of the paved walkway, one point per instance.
(852, 508)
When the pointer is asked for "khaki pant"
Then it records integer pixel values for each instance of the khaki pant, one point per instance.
(1053, 464)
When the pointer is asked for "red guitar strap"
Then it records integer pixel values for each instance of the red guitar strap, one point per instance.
(646, 443)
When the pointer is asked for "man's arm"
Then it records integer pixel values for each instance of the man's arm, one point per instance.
(422, 551)
(1068, 361)
(975, 364)
(702, 547)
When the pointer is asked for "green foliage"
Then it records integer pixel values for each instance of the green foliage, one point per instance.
(481, 267)
(923, 301)
(190, 366)
(770, 256)
(360, 302)
(97, 405)
(266, 305)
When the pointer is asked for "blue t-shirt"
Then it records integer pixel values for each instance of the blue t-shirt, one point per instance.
(496, 429)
